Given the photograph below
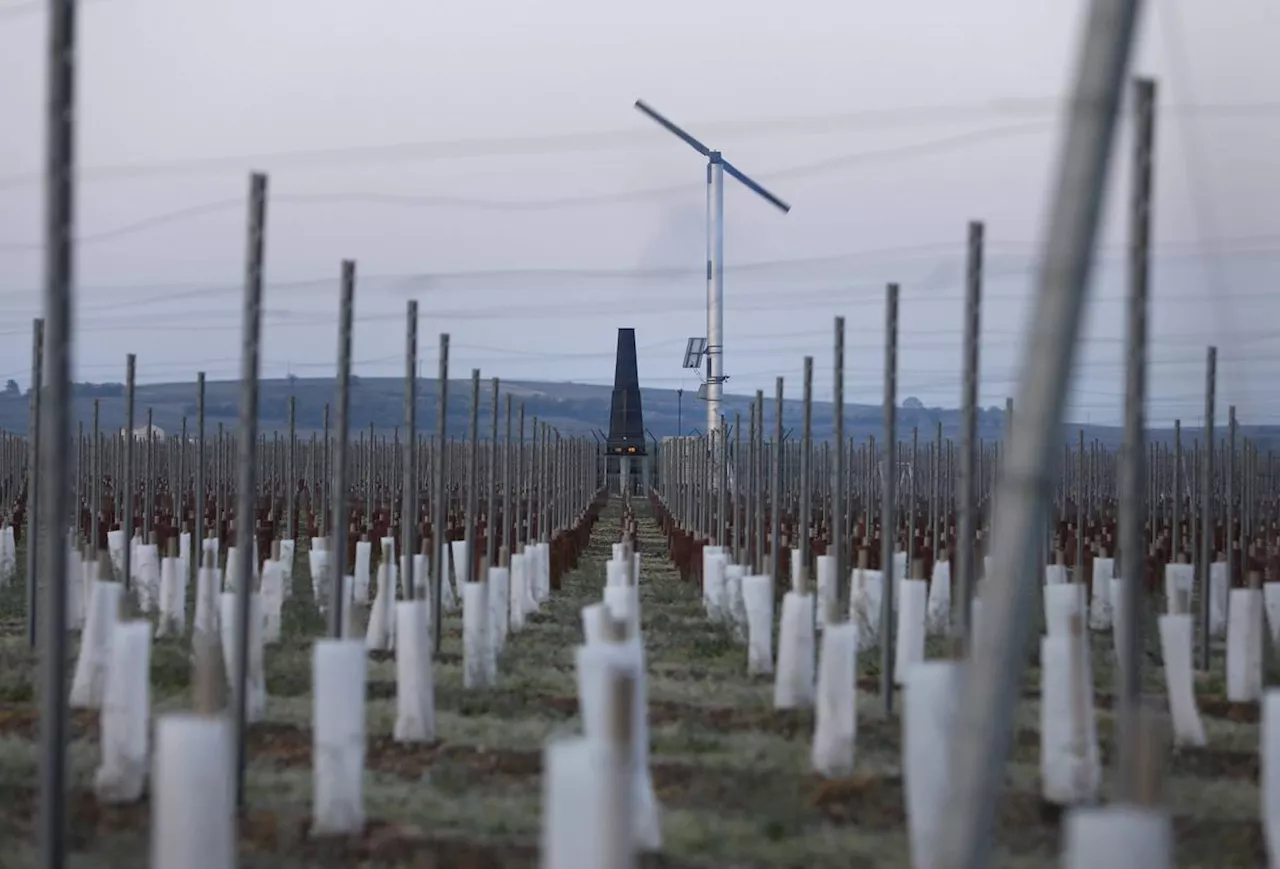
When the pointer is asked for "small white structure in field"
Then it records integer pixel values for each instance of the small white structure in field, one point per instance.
(836, 714)
(192, 793)
(338, 674)
(126, 705)
(143, 432)
(415, 681)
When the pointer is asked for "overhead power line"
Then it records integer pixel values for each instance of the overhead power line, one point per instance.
(836, 277)
(657, 306)
(863, 120)
(831, 164)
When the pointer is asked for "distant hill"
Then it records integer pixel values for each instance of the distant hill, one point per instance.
(573, 408)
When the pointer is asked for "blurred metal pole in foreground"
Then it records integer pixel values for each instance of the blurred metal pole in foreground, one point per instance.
(246, 514)
(775, 485)
(59, 246)
(989, 691)
(889, 495)
(1133, 512)
(440, 512)
(33, 483)
(338, 494)
(968, 483)
(1207, 525)
(127, 444)
(836, 550)
(409, 512)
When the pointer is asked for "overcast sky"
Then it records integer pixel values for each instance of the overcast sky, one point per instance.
(485, 158)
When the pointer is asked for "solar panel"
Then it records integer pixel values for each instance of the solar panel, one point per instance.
(693, 352)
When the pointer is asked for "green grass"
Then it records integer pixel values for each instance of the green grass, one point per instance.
(732, 775)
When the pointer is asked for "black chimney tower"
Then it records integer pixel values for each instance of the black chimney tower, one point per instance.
(626, 418)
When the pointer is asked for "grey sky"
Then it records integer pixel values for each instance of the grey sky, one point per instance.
(887, 126)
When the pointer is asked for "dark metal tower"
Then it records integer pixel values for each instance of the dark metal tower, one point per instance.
(626, 416)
